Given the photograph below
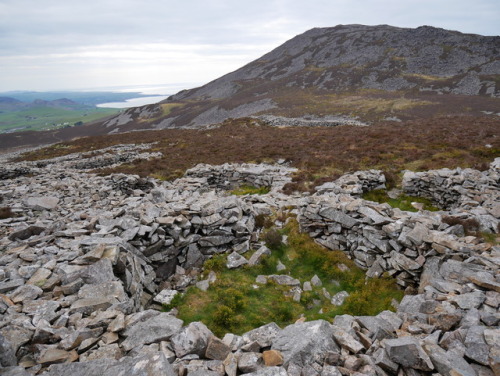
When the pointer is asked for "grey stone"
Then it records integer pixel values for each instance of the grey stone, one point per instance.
(284, 280)
(258, 255)
(16, 336)
(337, 216)
(263, 335)
(315, 281)
(10, 285)
(42, 203)
(339, 298)
(235, 260)
(347, 341)
(448, 363)
(165, 296)
(469, 300)
(87, 306)
(280, 267)
(26, 292)
(146, 365)
(192, 339)
(305, 343)
(14, 371)
(111, 289)
(383, 361)
(216, 349)
(7, 353)
(249, 362)
(407, 352)
(330, 371)
(269, 371)
(476, 346)
(155, 329)
(419, 234)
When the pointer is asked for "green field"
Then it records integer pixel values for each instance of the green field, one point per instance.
(44, 118)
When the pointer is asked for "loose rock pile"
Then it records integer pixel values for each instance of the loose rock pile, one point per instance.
(83, 263)
(328, 121)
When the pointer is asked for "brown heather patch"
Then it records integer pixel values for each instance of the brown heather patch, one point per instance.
(321, 153)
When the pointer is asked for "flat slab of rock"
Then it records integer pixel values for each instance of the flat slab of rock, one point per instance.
(263, 335)
(258, 255)
(306, 342)
(284, 280)
(42, 203)
(235, 260)
(147, 365)
(155, 329)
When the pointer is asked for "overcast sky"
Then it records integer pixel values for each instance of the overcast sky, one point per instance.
(78, 44)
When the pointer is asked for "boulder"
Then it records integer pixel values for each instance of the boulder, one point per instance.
(407, 352)
(263, 335)
(7, 353)
(192, 339)
(154, 329)
(216, 349)
(258, 255)
(306, 342)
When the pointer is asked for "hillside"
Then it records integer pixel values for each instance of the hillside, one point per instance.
(373, 73)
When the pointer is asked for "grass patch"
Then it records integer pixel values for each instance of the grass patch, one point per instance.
(236, 303)
(250, 190)
(402, 202)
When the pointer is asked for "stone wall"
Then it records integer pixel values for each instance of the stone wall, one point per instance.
(458, 187)
(230, 176)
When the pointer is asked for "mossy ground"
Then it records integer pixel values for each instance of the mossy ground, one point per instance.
(236, 303)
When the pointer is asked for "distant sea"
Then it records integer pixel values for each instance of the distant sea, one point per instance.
(154, 94)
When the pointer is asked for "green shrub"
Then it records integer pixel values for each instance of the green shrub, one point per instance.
(273, 239)
(216, 264)
(223, 316)
(232, 298)
(263, 221)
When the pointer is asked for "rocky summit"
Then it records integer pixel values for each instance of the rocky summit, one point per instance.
(86, 262)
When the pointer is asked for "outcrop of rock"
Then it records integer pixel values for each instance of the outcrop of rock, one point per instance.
(80, 273)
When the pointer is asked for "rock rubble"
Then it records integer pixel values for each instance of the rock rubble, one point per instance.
(86, 261)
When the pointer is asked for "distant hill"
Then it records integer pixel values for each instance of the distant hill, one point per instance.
(371, 74)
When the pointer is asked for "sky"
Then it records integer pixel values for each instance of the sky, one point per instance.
(86, 44)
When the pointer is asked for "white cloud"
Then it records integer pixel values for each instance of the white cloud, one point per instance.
(64, 44)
